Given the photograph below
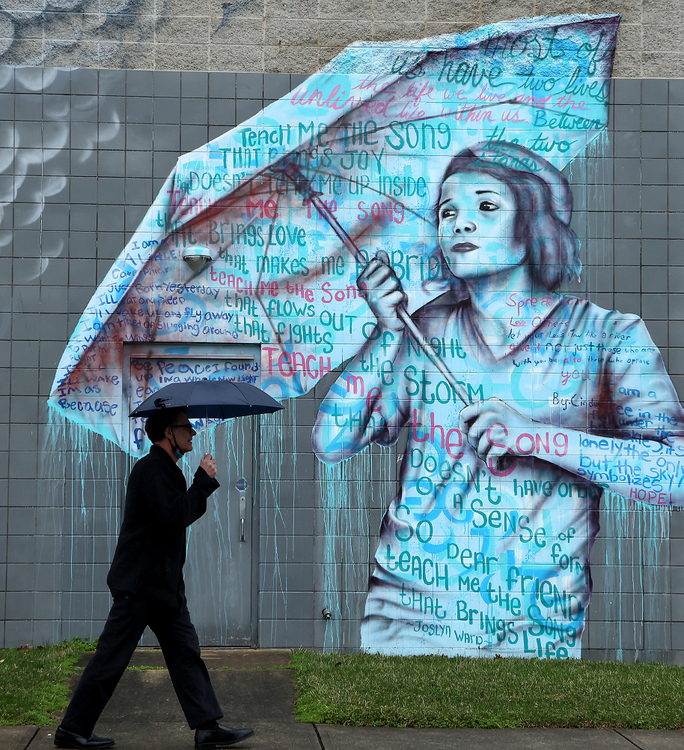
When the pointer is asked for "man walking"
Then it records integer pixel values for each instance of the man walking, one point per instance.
(146, 581)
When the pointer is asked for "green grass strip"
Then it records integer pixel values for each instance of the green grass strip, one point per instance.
(33, 682)
(437, 691)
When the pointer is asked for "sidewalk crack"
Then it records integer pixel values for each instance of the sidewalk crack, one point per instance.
(33, 737)
(318, 734)
(627, 738)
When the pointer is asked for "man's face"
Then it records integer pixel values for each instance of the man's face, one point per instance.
(183, 433)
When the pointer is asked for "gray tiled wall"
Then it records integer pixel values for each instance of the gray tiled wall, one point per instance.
(100, 144)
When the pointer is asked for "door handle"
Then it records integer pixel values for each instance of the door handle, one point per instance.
(243, 507)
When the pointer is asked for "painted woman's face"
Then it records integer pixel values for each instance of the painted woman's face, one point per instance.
(476, 225)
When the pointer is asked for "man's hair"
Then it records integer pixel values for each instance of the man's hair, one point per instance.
(552, 247)
(159, 421)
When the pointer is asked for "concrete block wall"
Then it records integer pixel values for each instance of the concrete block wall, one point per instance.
(299, 36)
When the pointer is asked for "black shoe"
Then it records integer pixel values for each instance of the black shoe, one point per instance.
(211, 739)
(65, 738)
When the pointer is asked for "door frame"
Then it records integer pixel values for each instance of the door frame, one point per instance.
(198, 350)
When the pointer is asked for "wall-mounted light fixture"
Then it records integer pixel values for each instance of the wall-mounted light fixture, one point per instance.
(196, 256)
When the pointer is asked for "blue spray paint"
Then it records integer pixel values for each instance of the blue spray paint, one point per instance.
(272, 454)
(634, 549)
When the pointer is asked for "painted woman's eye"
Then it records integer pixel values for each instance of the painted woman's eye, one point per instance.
(447, 213)
(488, 206)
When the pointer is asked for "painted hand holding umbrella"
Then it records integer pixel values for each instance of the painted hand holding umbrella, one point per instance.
(250, 238)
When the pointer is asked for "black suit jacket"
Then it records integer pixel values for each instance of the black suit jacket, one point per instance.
(150, 553)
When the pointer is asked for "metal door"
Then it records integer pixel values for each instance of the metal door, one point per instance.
(218, 572)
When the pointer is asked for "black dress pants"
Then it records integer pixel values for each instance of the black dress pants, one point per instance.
(124, 627)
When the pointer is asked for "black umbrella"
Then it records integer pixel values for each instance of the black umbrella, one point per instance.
(205, 399)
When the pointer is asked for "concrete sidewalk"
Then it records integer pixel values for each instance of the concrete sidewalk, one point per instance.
(256, 692)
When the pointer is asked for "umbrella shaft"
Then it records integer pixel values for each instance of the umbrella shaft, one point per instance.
(432, 355)
(340, 231)
(412, 328)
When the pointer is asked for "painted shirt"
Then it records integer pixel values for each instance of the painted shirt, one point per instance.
(481, 561)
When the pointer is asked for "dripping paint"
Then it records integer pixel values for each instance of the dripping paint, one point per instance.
(82, 473)
(398, 227)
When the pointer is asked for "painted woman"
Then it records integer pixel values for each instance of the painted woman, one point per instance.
(485, 548)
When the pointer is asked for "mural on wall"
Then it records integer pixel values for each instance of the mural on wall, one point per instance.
(404, 212)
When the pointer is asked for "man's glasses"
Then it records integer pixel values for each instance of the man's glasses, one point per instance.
(187, 427)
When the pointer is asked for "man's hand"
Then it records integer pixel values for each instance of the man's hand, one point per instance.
(208, 463)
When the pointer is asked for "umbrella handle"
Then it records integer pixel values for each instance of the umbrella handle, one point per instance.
(504, 463)
(290, 169)
(303, 186)
(432, 355)
(405, 318)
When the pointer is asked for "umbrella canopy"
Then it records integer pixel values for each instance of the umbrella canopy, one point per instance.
(209, 399)
(233, 250)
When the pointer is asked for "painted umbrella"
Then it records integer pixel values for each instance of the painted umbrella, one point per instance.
(209, 399)
(351, 161)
